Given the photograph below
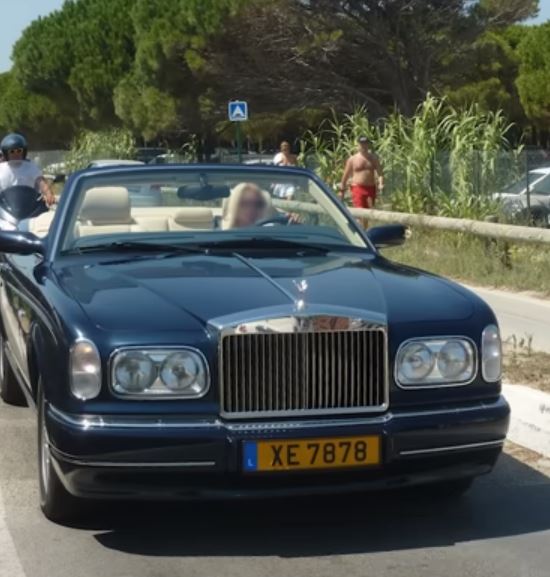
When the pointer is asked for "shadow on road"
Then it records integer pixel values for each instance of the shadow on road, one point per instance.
(514, 500)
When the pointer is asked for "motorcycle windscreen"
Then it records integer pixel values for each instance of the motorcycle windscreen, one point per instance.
(22, 202)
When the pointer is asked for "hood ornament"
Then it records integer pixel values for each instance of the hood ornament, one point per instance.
(301, 287)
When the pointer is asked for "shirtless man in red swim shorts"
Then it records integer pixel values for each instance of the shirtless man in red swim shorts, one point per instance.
(363, 168)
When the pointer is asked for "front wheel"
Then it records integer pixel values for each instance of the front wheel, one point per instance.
(56, 502)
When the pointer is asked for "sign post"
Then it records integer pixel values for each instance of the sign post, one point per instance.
(237, 111)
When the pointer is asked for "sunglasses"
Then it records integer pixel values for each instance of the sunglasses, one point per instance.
(15, 151)
(258, 204)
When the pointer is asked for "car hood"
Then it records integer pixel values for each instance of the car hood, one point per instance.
(191, 291)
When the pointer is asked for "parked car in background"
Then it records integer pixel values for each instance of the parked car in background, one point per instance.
(169, 158)
(147, 154)
(515, 201)
(225, 345)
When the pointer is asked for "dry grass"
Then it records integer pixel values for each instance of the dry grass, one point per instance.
(523, 366)
(478, 261)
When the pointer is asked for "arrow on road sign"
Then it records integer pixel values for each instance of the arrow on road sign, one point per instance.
(238, 111)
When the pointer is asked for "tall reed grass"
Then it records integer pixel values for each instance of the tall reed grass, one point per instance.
(443, 160)
(111, 144)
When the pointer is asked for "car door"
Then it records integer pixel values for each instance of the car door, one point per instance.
(17, 306)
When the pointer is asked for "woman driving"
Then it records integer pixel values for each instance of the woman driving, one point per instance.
(249, 205)
(246, 205)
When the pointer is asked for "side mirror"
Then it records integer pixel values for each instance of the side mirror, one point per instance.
(17, 242)
(386, 236)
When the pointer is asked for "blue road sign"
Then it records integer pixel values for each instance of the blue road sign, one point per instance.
(238, 111)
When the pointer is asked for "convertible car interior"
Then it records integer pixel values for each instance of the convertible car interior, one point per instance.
(108, 210)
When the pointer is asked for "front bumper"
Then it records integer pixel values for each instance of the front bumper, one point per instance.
(147, 457)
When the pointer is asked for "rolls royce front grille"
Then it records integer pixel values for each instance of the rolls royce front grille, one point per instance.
(273, 374)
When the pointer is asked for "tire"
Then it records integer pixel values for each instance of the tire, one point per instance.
(56, 502)
(10, 390)
(539, 219)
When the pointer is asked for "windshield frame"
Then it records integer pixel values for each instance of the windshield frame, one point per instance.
(78, 180)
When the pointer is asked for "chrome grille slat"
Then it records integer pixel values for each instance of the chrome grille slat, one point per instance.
(271, 374)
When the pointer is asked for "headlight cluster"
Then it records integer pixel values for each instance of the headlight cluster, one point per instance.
(159, 373)
(435, 362)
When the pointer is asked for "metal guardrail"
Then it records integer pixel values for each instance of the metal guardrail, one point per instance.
(513, 233)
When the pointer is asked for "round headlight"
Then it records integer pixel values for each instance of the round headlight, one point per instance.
(416, 362)
(134, 372)
(184, 372)
(454, 361)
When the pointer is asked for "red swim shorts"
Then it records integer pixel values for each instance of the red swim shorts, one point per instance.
(363, 196)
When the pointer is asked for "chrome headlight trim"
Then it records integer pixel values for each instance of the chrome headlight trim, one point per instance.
(165, 351)
(442, 384)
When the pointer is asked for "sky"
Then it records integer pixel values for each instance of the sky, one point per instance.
(18, 14)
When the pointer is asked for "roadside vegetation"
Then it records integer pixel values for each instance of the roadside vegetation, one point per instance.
(524, 366)
(443, 160)
(89, 146)
(165, 70)
(478, 261)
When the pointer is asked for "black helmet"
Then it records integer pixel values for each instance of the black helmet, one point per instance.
(12, 141)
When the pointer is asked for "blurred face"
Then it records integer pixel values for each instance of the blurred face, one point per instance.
(16, 154)
(285, 148)
(251, 206)
(363, 147)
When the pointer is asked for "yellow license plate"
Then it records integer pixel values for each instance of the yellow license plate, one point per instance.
(298, 454)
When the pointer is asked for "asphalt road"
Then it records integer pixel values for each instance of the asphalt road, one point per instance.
(501, 528)
(520, 316)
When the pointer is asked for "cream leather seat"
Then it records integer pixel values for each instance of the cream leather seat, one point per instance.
(106, 210)
(40, 225)
(192, 218)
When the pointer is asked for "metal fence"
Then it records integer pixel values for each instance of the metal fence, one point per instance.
(476, 172)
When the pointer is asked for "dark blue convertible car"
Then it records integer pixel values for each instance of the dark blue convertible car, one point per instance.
(230, 342)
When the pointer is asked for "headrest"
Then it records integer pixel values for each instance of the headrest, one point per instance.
(106, 205)
(195, 217)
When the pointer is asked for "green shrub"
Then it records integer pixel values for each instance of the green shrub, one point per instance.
(88, 146)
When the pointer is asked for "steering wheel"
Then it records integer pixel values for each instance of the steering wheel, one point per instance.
(282, 219)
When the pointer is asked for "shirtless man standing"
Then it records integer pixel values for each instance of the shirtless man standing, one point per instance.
(363, 168)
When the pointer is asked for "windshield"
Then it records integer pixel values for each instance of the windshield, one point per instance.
(204, 206)
(519, 186)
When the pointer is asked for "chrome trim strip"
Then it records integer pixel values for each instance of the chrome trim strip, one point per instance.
(151, 422)
(440, 385)
(122, 465)
(87, 422)
(451, 448)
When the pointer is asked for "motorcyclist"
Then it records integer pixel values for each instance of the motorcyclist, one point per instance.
(17, 170)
